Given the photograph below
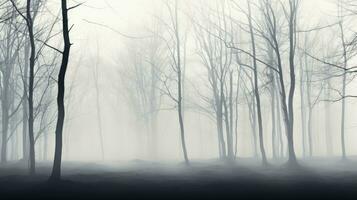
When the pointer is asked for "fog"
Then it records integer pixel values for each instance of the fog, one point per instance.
(194, 91)
(124, 136)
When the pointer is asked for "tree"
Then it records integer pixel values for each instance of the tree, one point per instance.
(56, 170)
(142, 63)
(32, 9)
(176, 56)
(287, 98)
(211, 32)
(10, 45)
(344, 79)
(292, 23)
(256, 87)
(98, 107)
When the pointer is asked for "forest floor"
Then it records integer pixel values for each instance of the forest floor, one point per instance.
(246, 179)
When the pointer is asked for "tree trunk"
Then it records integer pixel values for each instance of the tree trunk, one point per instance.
(343, 102)
(179, 86)
(303, 110)
(292, 43)
(256, 89)
(56, 170)
(31, 87)
(329, 144)
(230, 144)
(273, 122)
(153, 112)
(99, 117)
(25, 143)
(5, 128)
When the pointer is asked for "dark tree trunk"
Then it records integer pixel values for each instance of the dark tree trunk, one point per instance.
(292, 43)
(56, 170)
(31, 86)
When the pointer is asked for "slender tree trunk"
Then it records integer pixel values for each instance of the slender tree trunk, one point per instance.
(5, 102)
(5, 128)
(310, 105)
(219, 102)
(25, 143)
(256, 89)
(99, 116)
(292, 43)
(182, 128)
(329, 144)
(278, 121)
(228, 132)
(343, 101)
(179, 86)
(309, 131)
(253, 114)
(343, 110)
(221, 141)
(231, 150)
(273, 123)
(153, 112)
(274, 105)
(303, 110)
(236, 115)
(56, 171)
(31, 86)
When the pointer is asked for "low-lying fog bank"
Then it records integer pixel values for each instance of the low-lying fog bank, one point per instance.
(317, 178)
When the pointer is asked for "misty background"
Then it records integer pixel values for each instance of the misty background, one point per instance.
(104, 120)
(123, 135)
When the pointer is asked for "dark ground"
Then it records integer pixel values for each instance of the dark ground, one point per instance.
(318, 179)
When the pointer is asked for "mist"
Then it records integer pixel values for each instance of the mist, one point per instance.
(190, 92)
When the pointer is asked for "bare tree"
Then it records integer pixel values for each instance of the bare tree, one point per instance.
(98, 107)
(10, 45)
(256, 87)
(56, 171)
(176, 55)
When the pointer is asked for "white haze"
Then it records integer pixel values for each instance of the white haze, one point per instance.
(95, 40)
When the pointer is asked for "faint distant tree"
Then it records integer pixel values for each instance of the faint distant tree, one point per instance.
(140, 78)
(344, 46)
(10, 45)
(256, 86)
(176, 55)
(346, 52)
(98, 107)
(211, 30)
(310, 70)
(248, 88)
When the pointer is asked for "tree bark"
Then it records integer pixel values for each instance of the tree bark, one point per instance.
(56, 170)
(31, 87)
